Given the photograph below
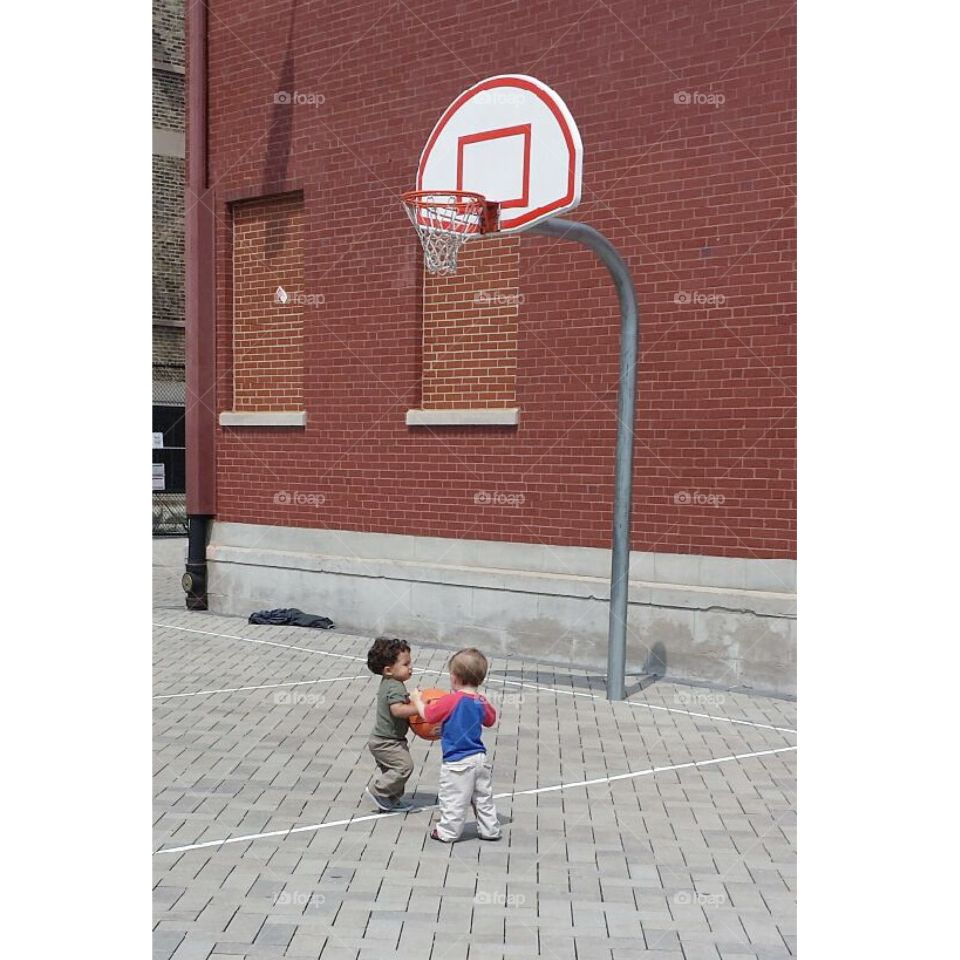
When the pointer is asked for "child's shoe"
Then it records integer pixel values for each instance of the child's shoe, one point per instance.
(387, 804)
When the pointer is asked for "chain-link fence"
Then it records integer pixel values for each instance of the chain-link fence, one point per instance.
(169, 452)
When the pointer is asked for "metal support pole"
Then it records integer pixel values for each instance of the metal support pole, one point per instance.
(626, 404)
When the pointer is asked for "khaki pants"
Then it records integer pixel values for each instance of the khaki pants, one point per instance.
(395, 763)
(465, 783)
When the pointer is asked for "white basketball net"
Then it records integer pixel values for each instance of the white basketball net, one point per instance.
(444, 222)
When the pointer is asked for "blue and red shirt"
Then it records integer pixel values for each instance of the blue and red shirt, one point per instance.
(463, 716)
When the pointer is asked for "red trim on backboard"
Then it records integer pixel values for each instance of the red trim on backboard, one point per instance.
(518, 82)
(522, 130)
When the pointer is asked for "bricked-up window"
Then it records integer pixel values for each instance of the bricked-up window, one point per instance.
(267, 327)
(470, 329)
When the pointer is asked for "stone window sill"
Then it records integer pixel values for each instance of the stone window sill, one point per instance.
(486, 417)
(263, 418)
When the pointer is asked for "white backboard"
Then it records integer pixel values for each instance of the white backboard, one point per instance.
(512, 139)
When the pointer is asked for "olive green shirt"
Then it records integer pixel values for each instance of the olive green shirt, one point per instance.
(387, 725)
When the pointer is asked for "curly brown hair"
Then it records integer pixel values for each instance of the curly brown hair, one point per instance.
(385, 652)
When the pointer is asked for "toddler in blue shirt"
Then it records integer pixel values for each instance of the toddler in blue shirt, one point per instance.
(466, 779)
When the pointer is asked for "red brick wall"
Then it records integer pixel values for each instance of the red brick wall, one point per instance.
(687, 117)
(268, 335)
(470, 327)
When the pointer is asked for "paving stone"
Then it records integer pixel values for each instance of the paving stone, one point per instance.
(627, 953)
(275, 934)
(303, 945)
(193, 949)
(587, 949)
(165, 942)
(699, 951)
(599, 869)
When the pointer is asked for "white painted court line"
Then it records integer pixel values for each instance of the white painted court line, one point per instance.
(261, 686)
(650, 771)
(515, 683)
(645, 706)
(712, 716)
(269, 643)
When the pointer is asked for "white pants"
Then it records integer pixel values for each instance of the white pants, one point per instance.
(465, 783)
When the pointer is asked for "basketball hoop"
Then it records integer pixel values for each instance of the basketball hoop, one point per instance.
(445, 221)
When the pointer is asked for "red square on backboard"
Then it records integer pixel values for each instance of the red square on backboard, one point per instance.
(522, 130)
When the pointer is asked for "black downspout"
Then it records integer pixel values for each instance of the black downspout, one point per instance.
(194, 581)
(200, 301)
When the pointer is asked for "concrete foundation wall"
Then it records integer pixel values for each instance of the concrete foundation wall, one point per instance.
(721, 620)
(169, 559)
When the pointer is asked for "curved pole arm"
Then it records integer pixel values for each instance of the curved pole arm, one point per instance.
(626, 404)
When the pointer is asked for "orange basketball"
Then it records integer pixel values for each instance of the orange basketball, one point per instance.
(429, 731)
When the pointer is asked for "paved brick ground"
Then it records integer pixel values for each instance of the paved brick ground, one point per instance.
(676, 864)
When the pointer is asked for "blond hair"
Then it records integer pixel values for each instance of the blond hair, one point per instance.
(469, 666)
